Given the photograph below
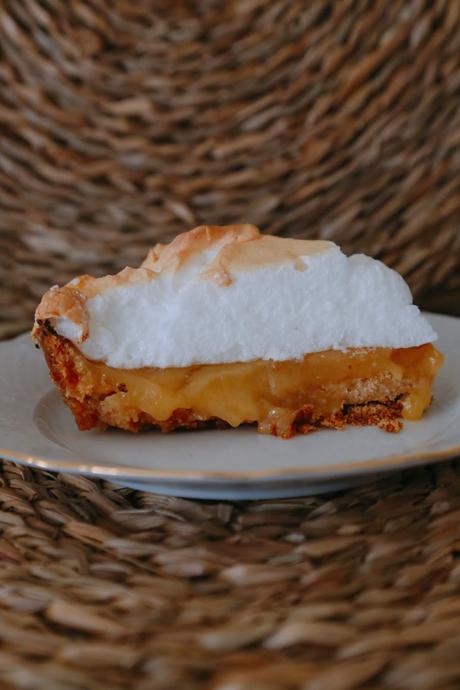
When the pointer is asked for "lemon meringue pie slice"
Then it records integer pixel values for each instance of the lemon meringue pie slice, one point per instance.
(226, 326)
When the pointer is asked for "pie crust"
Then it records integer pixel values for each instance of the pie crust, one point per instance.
(374, 386)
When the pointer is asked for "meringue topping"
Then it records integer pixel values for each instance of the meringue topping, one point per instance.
(221, 295)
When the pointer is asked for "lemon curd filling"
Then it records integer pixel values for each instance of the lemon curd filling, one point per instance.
(269, 392)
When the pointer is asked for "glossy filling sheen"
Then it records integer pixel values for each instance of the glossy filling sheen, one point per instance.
(267, 391)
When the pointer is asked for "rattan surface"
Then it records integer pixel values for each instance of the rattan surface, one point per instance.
(123, 122)
(104, 587)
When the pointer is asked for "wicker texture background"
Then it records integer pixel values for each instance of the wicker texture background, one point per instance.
(122, 123)
(103, 588)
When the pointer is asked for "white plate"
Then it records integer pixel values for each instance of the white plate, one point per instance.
(37, 429)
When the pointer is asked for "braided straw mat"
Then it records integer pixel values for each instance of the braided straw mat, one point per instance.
(103, 588)
(124, 122)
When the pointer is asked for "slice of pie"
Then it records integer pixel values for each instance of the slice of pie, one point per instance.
(226, 326)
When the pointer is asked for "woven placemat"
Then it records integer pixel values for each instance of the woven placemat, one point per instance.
(104, 587)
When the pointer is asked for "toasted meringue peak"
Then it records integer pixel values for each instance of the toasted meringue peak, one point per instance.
(231, 294)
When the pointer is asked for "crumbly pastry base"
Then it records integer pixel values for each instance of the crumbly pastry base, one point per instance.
(376, 401)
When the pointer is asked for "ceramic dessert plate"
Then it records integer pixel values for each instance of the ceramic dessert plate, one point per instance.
(37, 429)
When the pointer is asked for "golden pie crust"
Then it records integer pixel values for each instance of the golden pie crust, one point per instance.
(373, 386)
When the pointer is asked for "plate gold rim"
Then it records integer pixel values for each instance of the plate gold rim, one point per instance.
(335, 471)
